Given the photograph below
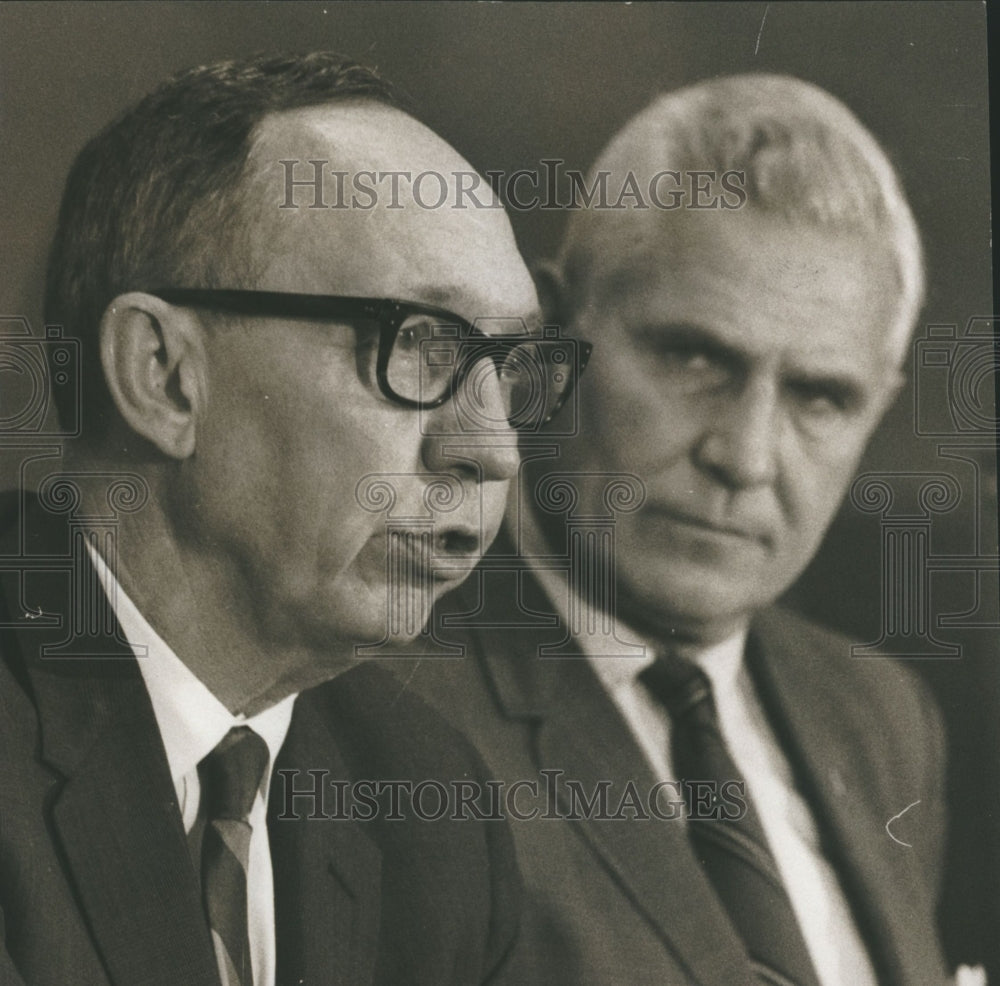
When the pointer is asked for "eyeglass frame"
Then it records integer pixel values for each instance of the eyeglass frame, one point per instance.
(388, 313)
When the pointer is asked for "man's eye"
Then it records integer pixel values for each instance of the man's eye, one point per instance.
(685, 358)
(692, 367)
(695, 362)
(410, 335)
(820, 399)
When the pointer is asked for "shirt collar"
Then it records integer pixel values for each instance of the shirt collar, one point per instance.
(192, 721)
(723, 662)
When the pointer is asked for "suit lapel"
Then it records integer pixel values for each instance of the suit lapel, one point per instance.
(120, 827)
(116, 817)
(579, 731)
(327, 871)
(832, 758)
(651, 860)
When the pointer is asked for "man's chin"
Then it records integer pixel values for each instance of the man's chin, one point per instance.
(666, 604)
(342, 621)
(396, 614)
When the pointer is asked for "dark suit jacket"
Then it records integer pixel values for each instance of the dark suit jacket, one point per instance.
(624, 901)
(97, 885)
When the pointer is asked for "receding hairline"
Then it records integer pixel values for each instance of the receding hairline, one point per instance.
(350, 136)
(340, 135)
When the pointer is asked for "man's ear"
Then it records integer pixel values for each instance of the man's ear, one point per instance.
(155, 366)
(551, 288)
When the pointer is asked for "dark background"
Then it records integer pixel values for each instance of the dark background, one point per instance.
(511, 84)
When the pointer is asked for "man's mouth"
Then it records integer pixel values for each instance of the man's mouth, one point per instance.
(457, 542)
(750, 533)
(444, 555)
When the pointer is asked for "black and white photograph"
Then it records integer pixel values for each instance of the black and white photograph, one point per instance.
(498, 493)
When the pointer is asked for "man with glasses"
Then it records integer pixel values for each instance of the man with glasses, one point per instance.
(723, 794)
(273, 387)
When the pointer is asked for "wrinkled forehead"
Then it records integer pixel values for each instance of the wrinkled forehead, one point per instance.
(754, 280)
(615, 253)
(361, 199)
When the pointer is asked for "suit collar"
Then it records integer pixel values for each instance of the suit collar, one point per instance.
(115, 816)
(517, 676)
(650, 859)
(830, 762)
(328, 912)
(831, 755)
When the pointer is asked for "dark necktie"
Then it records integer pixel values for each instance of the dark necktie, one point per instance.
(733, 851)
(230, 778)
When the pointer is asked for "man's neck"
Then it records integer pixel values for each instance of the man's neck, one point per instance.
(657, 623)
(650, 621)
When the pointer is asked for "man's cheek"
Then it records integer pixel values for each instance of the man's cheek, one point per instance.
(493, 503)
(810, 504)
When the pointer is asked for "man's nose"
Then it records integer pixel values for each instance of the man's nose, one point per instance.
(739, 446)
(471, 428)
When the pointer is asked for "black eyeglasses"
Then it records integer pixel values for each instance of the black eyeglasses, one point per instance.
(426, 354)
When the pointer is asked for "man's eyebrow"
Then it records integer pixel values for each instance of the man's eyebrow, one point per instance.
(511, 325)
(844, 385)
(690, 334)
(443, 296)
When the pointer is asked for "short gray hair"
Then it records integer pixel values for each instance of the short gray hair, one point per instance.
(803, 154)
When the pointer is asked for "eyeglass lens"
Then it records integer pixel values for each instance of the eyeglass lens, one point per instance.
(521, 381)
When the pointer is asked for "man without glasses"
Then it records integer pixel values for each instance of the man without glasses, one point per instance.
(249, 371)
(744, 357)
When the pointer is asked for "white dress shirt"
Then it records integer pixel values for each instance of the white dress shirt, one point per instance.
(192, 721)
(831, 935)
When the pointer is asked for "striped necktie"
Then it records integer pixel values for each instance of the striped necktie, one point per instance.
(230, 778)
(733, 851)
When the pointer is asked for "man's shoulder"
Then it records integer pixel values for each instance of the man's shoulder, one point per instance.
(382, 724)
(824, 660)
(443, 849)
